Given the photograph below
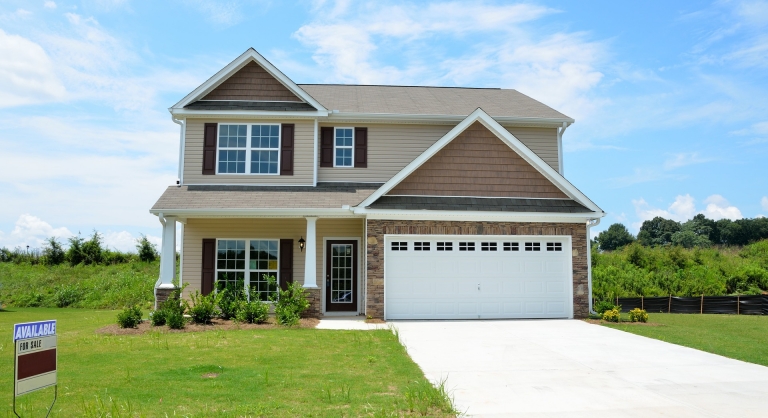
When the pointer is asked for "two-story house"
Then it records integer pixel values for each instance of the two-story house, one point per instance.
(397, 202)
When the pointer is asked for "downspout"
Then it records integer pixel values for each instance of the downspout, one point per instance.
(560, 132)
(590, 224)
(182, 139)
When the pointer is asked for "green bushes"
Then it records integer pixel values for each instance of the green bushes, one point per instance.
(130, 317)
(635, 271)
(289, 303)
(203, 308)
(253, 312)
(602, 306)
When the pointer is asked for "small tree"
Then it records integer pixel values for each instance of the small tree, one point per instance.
(657, 231)
(615, 237)
(53, 252)
(75, 251)
(92, 249)
(147, 251)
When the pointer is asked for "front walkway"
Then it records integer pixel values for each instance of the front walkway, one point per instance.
(569, 368)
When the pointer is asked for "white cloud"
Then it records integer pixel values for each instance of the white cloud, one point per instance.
(125, 241)
(764, 202)
(49, 5)
(352, 41)
(32, 231)
(684, 208)
(28, 77)
(222, 13)
(685, 159)
(719, 208)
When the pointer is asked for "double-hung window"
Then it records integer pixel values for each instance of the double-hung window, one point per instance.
(343, 145)
(249, 149)
(246, 263)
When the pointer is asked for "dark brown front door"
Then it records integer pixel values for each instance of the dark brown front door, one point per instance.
(341, 276)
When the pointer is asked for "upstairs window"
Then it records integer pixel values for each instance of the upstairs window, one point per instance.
(249, 149)
(343, 147)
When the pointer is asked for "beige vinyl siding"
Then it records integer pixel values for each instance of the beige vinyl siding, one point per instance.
(195, 230)
(391, 147)
(302, 162)
(542, 141)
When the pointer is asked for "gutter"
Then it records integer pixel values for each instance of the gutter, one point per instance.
(590, 224)
(182, 139)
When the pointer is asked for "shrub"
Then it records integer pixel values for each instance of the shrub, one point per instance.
(67, 296)
(289, 303)
(175, 320)
(604, 305)
(638, 315)
(158, 317)
(231, 297)
(203, 307)
(253, 312)
(147, 251)
(612, 315)
(53, 252)
(130, 317)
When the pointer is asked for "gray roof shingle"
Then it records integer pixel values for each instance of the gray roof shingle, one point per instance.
(324, 196)
(415, 100)
(478, 204)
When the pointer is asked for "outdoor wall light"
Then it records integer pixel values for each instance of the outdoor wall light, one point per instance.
(302, 243)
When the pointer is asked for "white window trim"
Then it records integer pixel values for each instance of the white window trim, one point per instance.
(352, 147)
(247, 270)
(248, 149)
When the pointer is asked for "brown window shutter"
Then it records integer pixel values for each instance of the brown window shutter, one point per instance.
(209, 266)
(286, 149)
(286, 263)
(326, 147)
(361, 147)
(209, 148)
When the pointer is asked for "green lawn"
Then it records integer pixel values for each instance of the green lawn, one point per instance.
(241, 373)
(742, 337)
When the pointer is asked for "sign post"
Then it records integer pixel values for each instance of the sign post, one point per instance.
(35, 359)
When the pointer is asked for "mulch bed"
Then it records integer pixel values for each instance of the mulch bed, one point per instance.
(215, 325)
(640, 324)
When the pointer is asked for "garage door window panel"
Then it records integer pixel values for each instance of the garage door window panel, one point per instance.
(488, 246)
(421, 246)
(532, 246)
(466, 246)
(511, 246)
(444, 246)
(399, 246)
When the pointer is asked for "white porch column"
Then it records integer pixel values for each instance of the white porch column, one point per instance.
(310, 258)
(167, 253)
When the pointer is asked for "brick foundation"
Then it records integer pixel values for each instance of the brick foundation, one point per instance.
(378, 228)
(315, 300)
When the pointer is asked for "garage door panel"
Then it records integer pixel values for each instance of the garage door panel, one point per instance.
(466, 284)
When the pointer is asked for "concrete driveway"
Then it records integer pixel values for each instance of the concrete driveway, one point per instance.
(569, 368)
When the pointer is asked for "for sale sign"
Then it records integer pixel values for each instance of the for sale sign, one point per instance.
(35, 356)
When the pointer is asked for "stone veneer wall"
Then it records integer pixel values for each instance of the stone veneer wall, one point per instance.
(378, 228)
(314, 297)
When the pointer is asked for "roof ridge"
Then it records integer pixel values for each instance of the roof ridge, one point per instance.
(398, 85)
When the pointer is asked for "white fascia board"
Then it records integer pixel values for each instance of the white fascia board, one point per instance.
(231, 114)
(249, 212)
(477, 216)
(237, 64)
(412, 118)
(481, 116)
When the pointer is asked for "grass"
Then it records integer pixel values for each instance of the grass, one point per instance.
(277, 372)
(81, 286)
(742, 337)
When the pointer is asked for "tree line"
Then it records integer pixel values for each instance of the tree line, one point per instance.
(699, 232)
(80, 251)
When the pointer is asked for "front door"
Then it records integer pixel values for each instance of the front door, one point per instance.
(341, 276)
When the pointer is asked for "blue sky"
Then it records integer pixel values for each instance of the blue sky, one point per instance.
(669, 97)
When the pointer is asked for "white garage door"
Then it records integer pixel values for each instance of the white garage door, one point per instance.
(471, 277)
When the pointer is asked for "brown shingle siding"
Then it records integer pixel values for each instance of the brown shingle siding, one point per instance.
(477, 163)
(252, 83)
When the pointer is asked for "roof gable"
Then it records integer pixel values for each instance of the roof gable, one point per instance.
(507, 138)
(252, 82)
(257, 72)
(477, 163)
